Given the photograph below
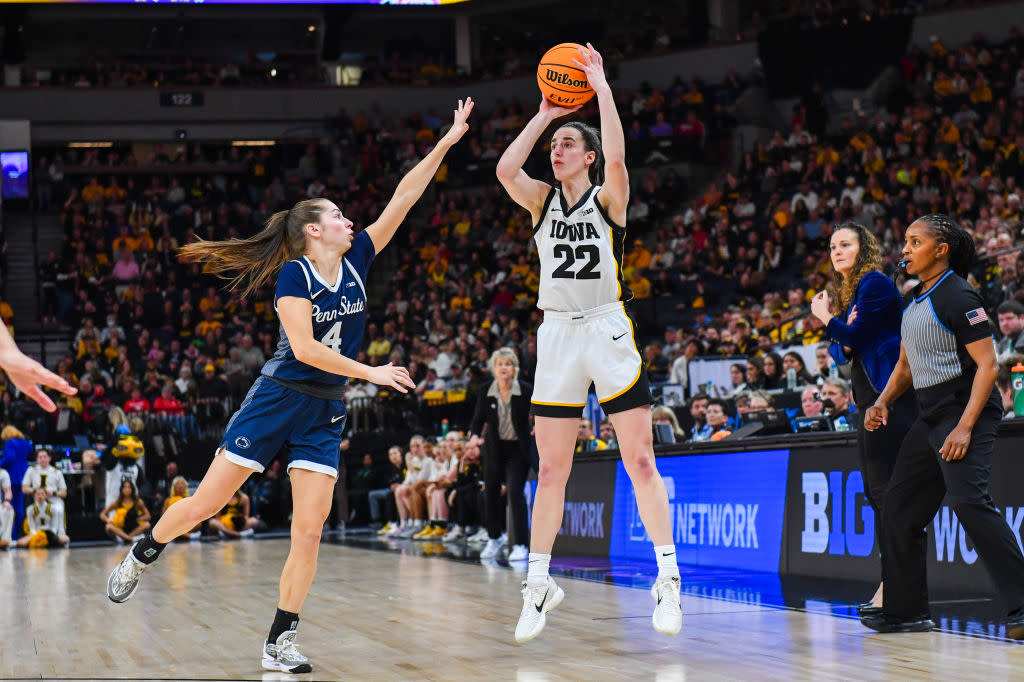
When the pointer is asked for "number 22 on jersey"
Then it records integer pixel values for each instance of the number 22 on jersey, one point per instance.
(588, 254)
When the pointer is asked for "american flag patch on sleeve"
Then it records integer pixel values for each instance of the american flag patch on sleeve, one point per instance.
(977, 316)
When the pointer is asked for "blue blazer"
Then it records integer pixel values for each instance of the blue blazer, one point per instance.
(875, 335)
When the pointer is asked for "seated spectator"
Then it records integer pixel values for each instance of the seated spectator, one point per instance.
(127, 517)
(794, 361)
(42, 476)
(446, 470)
(390, 478)
(211, 390)
(606, 432)
(179, 491)
(657, 366)
(1011, 321)
(271, 495)
(6, 510)
(234, 520)
(430, 383)
(459, 380)
(835, 397)
(417, 466)
(701, 431)
(774, 376)
(822, 363)
(464, 496)
(586, 441)
(45, 520)
(361, 483)
(810, 402)
(167, 404)
(137, 403)
(754, 375)
(717, 419)
(1004, 383)
(759, 400)
(664, 416)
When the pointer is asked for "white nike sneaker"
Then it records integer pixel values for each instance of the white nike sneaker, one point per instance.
(491, 549)
(283, 656)
(668, 614)
(454, 535)
(519, 553)
(537, 601)
(479, 536)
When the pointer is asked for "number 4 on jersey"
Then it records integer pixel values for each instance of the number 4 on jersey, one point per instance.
(332, 339)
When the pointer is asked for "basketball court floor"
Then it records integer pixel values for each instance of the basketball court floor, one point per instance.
(416, 611)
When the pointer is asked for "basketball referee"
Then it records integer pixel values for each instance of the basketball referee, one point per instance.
(948, 355)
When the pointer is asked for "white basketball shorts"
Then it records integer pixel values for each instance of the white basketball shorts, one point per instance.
(593, 347)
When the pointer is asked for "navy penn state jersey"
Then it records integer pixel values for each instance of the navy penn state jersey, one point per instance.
(339, 311)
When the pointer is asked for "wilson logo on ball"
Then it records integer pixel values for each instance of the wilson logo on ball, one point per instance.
(560, 79)
(553, 76)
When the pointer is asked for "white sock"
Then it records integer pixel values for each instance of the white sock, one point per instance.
(666, 558)
(537, 573)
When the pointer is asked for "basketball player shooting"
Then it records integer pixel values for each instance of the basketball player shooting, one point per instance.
(587, 336)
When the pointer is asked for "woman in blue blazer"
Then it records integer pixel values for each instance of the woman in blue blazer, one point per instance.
(865, 332)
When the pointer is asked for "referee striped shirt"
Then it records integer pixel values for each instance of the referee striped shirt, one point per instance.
(936, 329)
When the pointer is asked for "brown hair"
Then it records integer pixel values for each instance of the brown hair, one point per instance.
(256, 259)
(869, 258)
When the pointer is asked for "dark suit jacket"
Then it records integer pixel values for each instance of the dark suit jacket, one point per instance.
(486, 414)
(874, 337)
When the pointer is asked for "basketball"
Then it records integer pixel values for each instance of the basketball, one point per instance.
(561, 81)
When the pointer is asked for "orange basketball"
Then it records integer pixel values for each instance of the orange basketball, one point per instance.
(560, 80)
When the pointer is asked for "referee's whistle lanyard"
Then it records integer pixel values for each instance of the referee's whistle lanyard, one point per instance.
(933, 277)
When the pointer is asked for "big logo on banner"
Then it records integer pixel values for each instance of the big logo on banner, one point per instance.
(727, 510)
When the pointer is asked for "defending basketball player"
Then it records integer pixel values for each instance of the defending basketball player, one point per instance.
(297, 400)
(587, 336)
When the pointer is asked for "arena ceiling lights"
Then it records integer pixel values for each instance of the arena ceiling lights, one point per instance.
(418, 3)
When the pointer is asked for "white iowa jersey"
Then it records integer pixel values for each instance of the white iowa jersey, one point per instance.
(580, 251)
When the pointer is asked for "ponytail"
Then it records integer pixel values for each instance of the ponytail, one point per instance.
(256, 259)
(961, 243)
(591, 143)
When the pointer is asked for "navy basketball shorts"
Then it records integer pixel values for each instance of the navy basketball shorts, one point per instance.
(272, 416)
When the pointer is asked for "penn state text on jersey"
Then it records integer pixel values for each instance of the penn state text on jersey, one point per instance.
(338, 317)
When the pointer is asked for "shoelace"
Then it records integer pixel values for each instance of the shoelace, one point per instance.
(127, 572)
(289, 652)
(666, 590)
(534, 594)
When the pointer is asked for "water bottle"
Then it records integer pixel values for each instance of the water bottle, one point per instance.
(709, 388)
(444, 427)
(791, 379)
(1017, 384)
(833, 370)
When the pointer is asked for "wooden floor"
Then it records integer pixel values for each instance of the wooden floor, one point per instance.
(203, 612)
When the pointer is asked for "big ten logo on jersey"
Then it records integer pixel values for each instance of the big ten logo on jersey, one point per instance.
(850, 528)
(951, 538)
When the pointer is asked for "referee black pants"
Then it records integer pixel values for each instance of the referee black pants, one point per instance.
(878, 450)
(507, 464)
(919, 482)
